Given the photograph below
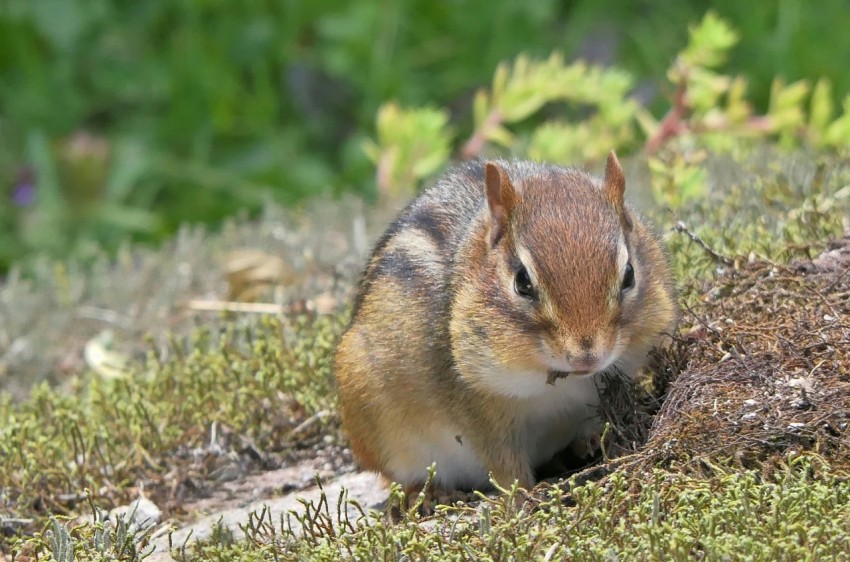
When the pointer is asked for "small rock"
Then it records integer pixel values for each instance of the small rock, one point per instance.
(144, 513)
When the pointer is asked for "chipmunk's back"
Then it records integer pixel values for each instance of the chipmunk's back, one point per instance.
(397, 348)
(419, 247)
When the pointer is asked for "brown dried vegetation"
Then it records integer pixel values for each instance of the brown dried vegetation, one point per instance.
(761, 371)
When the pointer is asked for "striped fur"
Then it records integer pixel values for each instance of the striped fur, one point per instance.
(444, 362)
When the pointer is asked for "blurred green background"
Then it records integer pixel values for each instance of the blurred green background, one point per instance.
(122, 120)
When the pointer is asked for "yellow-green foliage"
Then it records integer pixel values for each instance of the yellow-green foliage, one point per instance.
(415, 145)
(524, 88)
(589, 111)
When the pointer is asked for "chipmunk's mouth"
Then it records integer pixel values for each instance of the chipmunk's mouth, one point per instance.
(555, 375)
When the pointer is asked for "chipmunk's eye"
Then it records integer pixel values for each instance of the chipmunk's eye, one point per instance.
(628, 278)
(522, 284)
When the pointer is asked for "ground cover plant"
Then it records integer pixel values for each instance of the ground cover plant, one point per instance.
(227, 400)
(167, 374)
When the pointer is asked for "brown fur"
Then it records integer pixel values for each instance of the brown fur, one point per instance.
(437, 322)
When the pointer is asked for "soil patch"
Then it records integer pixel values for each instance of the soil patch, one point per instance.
(764, 369)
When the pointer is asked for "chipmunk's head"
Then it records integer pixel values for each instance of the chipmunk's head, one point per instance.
(567, 276)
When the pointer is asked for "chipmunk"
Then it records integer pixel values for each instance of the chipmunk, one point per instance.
(485, 317)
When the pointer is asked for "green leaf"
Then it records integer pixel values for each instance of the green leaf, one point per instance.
(738, 109)
(480, 108)
(48, 190)
(822, 109)
(838, 132)
(500, 78)
(705, 89)
(500, 135)
(130, 219)
(412, 143)
(786, 105)
(520, 107)
(129, 164)
(646, 121)
(710, 42)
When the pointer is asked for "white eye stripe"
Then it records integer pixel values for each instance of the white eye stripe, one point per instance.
(622, 255)
(525, 258)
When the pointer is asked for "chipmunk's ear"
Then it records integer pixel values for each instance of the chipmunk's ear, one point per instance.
(615, 187)
(501, 197)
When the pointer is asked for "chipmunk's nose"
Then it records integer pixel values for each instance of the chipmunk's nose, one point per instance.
(586, 363)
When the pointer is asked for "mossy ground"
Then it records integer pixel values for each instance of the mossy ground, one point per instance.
(232, 397)
(798, 513)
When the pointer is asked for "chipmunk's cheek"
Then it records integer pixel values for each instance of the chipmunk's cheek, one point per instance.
(514, 383)
(619, 344)
(514, 369)
(513, 349)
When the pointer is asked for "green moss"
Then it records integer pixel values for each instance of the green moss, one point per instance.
(797, 514)
(101, 438)
(107, 435)
(763, 202)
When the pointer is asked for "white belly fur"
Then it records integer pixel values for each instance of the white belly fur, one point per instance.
(547, 423)
(457, 464)
(555, 419)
